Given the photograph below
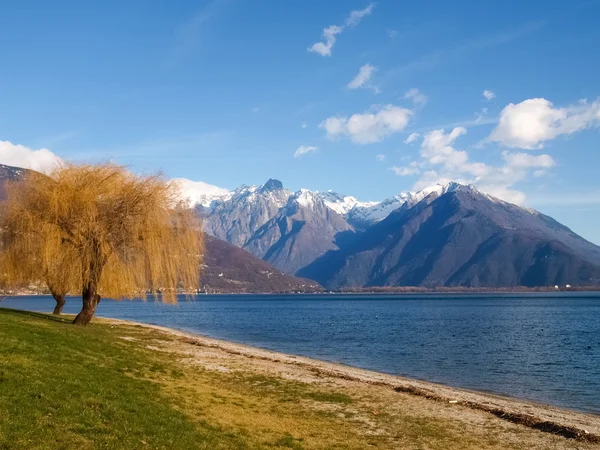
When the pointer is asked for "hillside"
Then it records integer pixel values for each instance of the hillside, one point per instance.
(230, 269)
(9, 173)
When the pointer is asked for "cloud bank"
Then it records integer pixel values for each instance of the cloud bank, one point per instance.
(42, 160)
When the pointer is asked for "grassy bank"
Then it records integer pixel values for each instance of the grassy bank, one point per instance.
(123, 386)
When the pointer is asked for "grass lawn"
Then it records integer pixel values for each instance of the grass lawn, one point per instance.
(123, 386)
(64, 386)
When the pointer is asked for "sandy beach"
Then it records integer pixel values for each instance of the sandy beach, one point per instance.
(386, 395)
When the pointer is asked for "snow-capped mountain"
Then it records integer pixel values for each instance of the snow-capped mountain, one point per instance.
(300, 232)
(291, 229)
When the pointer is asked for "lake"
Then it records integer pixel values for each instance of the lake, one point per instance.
(542, 347)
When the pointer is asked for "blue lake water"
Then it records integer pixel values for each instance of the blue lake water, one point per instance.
(542, 347)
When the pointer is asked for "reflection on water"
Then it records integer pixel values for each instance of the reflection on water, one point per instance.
(541, 347)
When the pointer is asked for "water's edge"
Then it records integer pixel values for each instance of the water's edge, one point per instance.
(540, 348)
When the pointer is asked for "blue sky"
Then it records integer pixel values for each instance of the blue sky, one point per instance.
(229, 91)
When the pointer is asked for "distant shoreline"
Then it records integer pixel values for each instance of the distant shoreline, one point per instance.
(375, 291)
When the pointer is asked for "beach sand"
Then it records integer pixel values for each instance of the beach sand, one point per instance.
(512, 422)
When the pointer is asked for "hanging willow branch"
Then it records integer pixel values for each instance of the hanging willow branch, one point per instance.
(100, 230)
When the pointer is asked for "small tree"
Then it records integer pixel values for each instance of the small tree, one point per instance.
(104, 229)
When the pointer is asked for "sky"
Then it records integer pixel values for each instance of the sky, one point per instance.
(366, 99)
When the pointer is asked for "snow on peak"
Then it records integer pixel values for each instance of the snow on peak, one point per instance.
(306, 198)
(355, 211)
(378, 211)
(343, 204)
(340, 204)
(199, 192)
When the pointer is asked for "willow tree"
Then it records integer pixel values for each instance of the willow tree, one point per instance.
(119, 234)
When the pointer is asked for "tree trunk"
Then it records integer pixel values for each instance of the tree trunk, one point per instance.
(90, 302)
(60, 303)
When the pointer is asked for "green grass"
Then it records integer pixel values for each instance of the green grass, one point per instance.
(132, 387)
(63, 386)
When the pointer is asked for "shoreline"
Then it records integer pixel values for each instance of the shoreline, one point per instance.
(571, 424)
(416, 292)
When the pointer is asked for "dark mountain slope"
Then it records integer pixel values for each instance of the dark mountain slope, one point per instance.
(461, 237)
(9, 173)
(228, 268)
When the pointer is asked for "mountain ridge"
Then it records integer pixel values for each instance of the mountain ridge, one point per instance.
(461, 237)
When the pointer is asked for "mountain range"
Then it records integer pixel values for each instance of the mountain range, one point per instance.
(444, 235)
(269, 239)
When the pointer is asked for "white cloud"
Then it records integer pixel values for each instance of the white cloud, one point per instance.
(488, 95)
(412, 137)
(42, 160)
(416, 96)
(405, 171)
(255, 110)
(304, 149)
(532, 122)
(380, 157)
(392, 33)
(362, 78)
(304, 125)
(329, 34)
(356, 16)
(369, 127)
(198, 192)
(437, 150)
(446, 163)
(324, 48)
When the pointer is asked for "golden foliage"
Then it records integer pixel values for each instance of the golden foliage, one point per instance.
(99, 229)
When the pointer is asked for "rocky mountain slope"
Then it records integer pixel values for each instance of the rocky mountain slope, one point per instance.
(236, 217)
(303, 230)
(458, 236)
